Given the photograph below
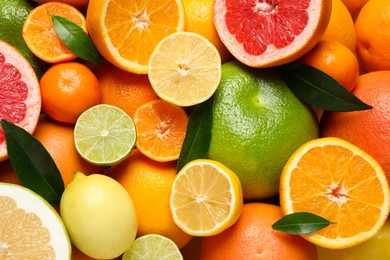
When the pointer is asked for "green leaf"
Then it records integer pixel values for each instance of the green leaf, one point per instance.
(301, 223)
(319, 89)
(32, 163)
(197, 140)
(75, 38)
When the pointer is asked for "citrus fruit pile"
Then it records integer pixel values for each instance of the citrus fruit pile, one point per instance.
(177, 134)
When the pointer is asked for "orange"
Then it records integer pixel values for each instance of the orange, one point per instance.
(252, 237)
(270, 33)
(368, 129)
(161, 128)
(354, 6)
(8, 174)
(341, 27)
(79, 4)
(124, 89)
(68, 89)
(336, 60)
(39, 33)
(149, 184)
(373, 37)
(340, 182)
(57, 138)
(127, 38)
(199, 19)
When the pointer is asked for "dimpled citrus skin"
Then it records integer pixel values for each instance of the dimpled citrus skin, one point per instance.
(257, 124)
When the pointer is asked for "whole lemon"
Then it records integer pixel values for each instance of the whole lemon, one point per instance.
(99, 215)
(257, 124)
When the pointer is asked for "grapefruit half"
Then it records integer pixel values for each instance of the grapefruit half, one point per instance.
(20, 96)
(264, 33)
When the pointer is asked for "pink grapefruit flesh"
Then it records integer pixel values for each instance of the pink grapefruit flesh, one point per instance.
(265, 33)
(20, 97)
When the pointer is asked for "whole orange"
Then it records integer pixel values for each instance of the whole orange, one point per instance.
(57, 138)
(368, 129)
(252, 237)
(149, 184)
(67, 90)
(373, 35)
(7, 173)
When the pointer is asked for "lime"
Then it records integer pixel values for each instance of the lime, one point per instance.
(257, 124)
(104, 135)
(151, 247)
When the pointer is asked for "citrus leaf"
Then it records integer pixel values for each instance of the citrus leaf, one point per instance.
(319, 89)
(301, 223)
(197, 139)
(32, 163)
(75, 38)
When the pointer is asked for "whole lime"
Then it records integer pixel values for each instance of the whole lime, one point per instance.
(257, 124)
(99, 216)
(12, 16)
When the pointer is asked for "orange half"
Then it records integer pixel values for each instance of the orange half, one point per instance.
(337, 180)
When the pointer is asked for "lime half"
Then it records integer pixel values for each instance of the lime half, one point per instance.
(152, 247)
(104, 135)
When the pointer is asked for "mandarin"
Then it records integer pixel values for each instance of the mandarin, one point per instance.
(67, 90)
(252, 237)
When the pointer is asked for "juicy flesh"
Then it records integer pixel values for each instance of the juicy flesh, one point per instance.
(257, 24)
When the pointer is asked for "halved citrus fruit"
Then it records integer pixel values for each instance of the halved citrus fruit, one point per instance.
(337, 180)
(161, 128)
(40, 35)
(185, 69)
(206, 198)
(20, 96)
(126, 32)
(30, 227)
(269, 33)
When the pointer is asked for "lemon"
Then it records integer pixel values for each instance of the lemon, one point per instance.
(99, 215)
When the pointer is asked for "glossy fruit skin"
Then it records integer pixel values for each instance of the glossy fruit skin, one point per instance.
(257, 124)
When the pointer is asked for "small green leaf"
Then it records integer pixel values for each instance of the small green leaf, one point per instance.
(319, 89)
(32, 163)
(197, 140)
(301, 223)
(75, 38)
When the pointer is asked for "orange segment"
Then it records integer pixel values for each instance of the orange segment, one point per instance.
(40, 35)
(337, 180)
(161, 128)
(126, 32)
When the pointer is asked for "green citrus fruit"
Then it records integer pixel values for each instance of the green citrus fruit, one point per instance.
(12, 16)
(257, 124)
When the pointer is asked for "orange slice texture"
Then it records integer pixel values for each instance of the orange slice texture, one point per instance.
(20, 97)
(337, 180)
(126, 31)
(40, 36)
(268, 33)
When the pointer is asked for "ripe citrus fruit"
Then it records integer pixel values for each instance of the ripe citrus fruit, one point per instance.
(104, 135)
(20, 98)
(79, 4)
(153, 246)
(199, 19)
(257, 124)
(347, 186)
(67, 90)
(372, 37)
(39, 34)
(30, 226)
(341, 27)
(8, 174)
(336, 60)
(127, 39)
(206, 198)
(123, 89)
(99, 215)
(368, 129)
(354, 6)
(149, 183)
(252, 237)
(161, 128)
(12, 16)
(270, 33)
